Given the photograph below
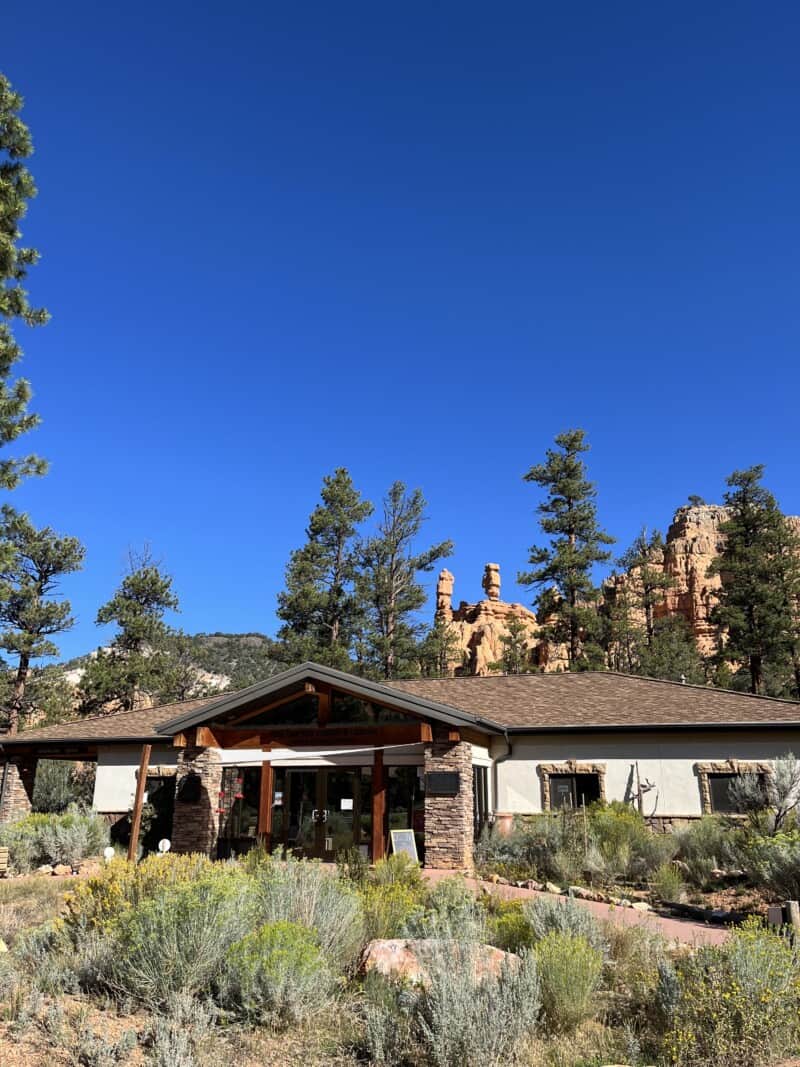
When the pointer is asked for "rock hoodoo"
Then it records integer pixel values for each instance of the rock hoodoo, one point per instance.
(480, 627)
(693, 540)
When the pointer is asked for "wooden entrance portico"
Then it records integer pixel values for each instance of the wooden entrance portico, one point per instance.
(250, 731)
(320, 712)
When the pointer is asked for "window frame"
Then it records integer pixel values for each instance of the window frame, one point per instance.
(569, 767)
(730, 767)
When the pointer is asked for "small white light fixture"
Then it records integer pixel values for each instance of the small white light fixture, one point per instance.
(164, 845)
(108, 853)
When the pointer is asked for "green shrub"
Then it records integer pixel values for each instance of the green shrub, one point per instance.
(176, 1036)
(455, 1018)
(388, 909)
(52, 788)
(703, 846)
(276, 976)
(353, 866)
(398, 867)
(632, 971)
(301, 891)
(176, 940)
(773, 863)
(507, 927)
(569, 975)
(527, 852)
(736, 1005)
(667, 883)
(547, 915)
(66, 838)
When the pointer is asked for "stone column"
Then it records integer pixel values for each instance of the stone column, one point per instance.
(16, 789)
(195, 822)
(449, 819)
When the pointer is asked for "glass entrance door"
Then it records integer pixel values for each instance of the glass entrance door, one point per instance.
(326, 810)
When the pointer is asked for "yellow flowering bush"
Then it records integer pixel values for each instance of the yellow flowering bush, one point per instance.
(99, 901)
(737, 1004)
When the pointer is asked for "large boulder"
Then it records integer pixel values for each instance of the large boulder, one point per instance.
(405, 959)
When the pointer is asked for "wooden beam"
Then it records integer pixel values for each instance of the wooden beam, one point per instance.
(323, 705)
(265, 801)
(207, 738)
(331, 736)
(180, 741)
(270, 706)
(378, 806)
(136, 822)
(453, 735)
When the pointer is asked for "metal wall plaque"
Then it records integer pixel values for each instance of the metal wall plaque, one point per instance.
(441, 783)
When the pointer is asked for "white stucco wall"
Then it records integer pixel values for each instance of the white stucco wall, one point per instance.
(117, 765)
(665, 758)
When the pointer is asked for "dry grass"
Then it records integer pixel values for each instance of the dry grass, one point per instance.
(28, 902)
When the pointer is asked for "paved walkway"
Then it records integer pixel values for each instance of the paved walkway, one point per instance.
(682, 930)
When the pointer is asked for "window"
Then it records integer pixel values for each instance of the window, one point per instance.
(719, 788)
(349, 709)
(715, 781)
(480, 798)
(573, 790)
(572, 784)
(300, 712)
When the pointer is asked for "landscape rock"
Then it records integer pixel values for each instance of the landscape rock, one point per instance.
(404, 959)
(641, 905)
(3, 946)
(551, 887)
(46, 868)
(581, 892)
(61, 869)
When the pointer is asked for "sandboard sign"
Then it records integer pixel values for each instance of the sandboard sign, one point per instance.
(403, 841)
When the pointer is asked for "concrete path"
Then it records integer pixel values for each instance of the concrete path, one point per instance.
(682, 930)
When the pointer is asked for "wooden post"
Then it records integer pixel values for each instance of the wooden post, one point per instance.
(378, 805)
(265, 802)
(793, 912)
(136, 822)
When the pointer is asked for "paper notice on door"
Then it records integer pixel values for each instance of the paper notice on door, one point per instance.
(347, 804)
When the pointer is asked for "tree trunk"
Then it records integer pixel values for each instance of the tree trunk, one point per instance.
(756, 674)
(18, 696)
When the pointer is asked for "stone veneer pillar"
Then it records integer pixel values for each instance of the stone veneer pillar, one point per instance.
(195, 823)
(449, 820)
(16, 785)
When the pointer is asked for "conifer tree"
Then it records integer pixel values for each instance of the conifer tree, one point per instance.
(671, 654)
(30, 614)
(439, 649)
(647, 579)
(516, 657)
(318, 606)
(388, 588)
(754, 608)
(138, 660)
(569, 518)
(16, 189)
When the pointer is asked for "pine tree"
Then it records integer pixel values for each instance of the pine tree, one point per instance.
(622, 632)
(569, 518)
(754, 609)
(138, 660)
(30, 615)
(671, 654)
(387, 585)
(439, 649)
(318, 607)
(516, 657)
(16, 189)
(648, 580)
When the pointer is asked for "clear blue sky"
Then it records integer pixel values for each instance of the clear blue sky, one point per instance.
(414, 240)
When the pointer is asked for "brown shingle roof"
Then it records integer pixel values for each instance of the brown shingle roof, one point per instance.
(593, 700)
(137, 725)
